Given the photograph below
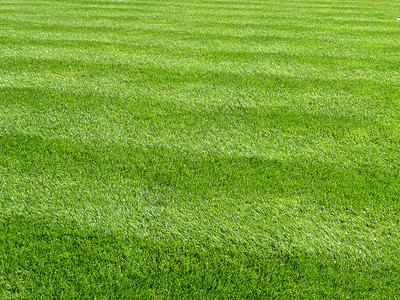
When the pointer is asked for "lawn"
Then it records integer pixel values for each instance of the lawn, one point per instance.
(199, 149)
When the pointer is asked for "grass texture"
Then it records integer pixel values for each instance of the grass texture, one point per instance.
(199, 149)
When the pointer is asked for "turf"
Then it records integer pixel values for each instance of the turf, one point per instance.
(199, 149)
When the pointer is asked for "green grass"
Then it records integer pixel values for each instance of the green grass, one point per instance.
(199, 149)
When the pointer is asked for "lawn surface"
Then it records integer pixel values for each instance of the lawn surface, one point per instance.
(199, 149)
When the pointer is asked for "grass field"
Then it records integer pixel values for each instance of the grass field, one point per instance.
(199, 149)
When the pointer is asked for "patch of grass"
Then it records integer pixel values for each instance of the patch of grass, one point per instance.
(65, 260)
(206, 149)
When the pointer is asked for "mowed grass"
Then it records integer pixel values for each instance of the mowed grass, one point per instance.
(199, 149)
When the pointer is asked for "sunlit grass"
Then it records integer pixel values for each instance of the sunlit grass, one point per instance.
(199, 149)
